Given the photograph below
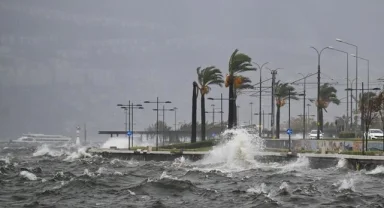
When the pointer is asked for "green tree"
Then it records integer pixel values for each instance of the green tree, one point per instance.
(283, 92)
(206, 78)
(237, 64)
(327, 95)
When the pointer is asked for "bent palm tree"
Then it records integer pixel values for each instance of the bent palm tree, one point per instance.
(207, 77)
(283, 91)
(327, 95)
(238, 63)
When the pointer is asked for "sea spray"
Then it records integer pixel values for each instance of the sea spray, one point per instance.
(236, 151)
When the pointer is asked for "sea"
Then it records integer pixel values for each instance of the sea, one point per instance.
(228, 176)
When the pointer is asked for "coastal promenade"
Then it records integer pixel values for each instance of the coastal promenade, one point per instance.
(355, 162)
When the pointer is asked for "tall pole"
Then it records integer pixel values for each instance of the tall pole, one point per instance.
(346, 53)
(263, 120)
(304, 94)
(251, 103)
(318, 89)
(308, 117)
(289, 117)
(357, 66)
(362, 113)
(129, 123)
(273, 72)
(157, 124)
(132, 126)
(347, 93)
(260, 68)
(221, 109)
(163, 123)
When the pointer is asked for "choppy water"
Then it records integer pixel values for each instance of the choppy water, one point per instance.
(67, 176)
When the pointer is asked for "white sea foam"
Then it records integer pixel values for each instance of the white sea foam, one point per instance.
(28, 175)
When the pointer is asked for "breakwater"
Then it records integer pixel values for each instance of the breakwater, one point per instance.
(356, 162)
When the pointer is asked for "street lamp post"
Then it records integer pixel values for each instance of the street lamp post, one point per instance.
(332, 48)
(318, 89)
(260, 68)
(157, 119)
(289, 117)
(357, 66)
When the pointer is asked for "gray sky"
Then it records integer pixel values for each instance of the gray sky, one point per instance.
(63, 63)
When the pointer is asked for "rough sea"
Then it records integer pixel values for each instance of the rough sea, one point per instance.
(67, 176)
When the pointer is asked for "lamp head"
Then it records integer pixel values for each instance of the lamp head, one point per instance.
(353, 55)
(339, 40)
(146, 101)
(168, 102)
(330, 47)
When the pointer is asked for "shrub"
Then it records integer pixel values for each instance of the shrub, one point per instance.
(347, 134)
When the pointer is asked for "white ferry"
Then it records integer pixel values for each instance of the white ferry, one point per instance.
(42, 138)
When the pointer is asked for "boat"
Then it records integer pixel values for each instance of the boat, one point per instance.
(42, 138)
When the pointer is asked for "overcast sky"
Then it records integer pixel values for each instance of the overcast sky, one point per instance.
(107, 52)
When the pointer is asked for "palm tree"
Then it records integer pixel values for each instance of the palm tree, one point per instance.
(327, 95)
(238, 63)
(207, 77)
(283, 91)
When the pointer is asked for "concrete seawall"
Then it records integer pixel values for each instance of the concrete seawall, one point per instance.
(355, 162)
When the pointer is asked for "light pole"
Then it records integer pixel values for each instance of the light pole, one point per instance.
(274, 73)
(221, 107)
(157, 119)
(318, 89)
(357, 67)
(260, 68)
(346, 53)
(251, 103)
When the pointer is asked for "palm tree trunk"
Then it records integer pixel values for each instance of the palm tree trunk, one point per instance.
(230, 107)
(235, 110)
(321, 120)
(194, 112)
(202, 117)
(278, 122)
